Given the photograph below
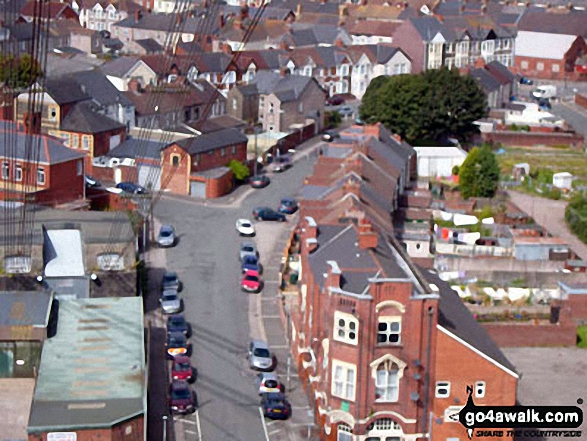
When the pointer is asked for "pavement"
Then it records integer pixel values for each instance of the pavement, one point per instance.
(223, 318)
(16, 397)
(551, 377)
(551, 215)
(572, 113)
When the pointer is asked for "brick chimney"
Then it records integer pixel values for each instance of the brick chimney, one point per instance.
(226, 49)
(373, 130)
(32, 123)
(396, 137)
(221, 21)
(134, 85)
(244, 12)
(309, 235)
(333, 274)
(354, 164)
(367, 237)
(351, 186)
(138, 16)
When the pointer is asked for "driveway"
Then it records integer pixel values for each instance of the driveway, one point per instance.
(206, 261)
(551, 215)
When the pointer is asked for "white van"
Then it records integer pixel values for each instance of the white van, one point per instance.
(546, 91)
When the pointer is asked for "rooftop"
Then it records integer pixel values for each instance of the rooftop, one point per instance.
(87, 377)
(63, 254)
(25, 308)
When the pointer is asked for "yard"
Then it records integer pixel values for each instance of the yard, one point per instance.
(557, 160)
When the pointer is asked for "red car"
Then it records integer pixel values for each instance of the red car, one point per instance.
(251, 281)
(181, 398)
(182, 369)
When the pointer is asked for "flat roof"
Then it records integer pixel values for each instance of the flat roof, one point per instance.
(66, 259)
(25, 308)
(92, 372)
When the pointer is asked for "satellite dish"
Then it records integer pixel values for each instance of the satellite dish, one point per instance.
(425, 10)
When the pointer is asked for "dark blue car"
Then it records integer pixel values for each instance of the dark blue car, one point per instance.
(250, 262)
(288, 206)
(178, 323)
(129, 187)
(267, 214)
(275, 406)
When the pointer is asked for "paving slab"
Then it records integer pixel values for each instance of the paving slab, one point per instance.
(16, 396)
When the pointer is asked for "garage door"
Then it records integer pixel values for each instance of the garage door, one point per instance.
(198, 189)
(150, 177)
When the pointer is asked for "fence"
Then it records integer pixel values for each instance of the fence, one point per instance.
(472, 250)
(511, 138)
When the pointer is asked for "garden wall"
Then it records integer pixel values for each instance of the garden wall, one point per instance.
(511, 138)
(529, 334)
(581, 100)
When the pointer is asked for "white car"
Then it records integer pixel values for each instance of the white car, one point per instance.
(245, 227)
(170, 301)
(268, 382)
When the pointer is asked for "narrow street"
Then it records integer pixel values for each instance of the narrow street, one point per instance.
(223, 318)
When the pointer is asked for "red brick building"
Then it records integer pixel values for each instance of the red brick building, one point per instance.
(384, 349)
(198, 166)
(55, 176)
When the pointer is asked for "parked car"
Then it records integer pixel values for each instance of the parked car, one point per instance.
(130, 187)
(182, 369)
(359, 122)
(260, 181)
(330, 135)
(345, 111)
(91, 182)
(251, 281)
(250, 263)
(528, 81)
(288, 206)
(275, 406)
(245, 227)
(267, 382)
(166, 236)
(177, 344)
(247, 249)
(544, 103)
(335, 100)
(259, 356)
(178, 323)
(170, 281)
(280, 163)
(545, 91)
(170, 301)
(182, 399)
(268, 214)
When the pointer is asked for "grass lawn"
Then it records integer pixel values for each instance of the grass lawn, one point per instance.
(555, 159)
(582, 336)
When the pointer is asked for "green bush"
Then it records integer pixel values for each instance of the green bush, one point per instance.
(576, 217)
(240, 170)
(582, 336)
(455, 170)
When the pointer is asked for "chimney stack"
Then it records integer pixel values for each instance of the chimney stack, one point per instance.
(367, 237)
(333, 274)
(138, 16)
(309, 235)
(351, 187)
(221, 22)
(373, 130)
(134, 85)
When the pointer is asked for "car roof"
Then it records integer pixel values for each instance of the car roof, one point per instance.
(181, 359)
(170, 273)
(180, 384)
(247, 244)
(169, 291)
(250, 272)
(274, 396)
(260, 344)
(243, 220)
(176, 334)
(270, 376)
(176, 316)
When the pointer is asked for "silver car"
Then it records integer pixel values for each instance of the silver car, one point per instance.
(166, 236)
(170, 301)
(247, 249)
(260, 357)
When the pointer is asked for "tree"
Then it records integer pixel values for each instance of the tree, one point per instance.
(432, 105)
(479, 173)
(239, 170)
(19, 73)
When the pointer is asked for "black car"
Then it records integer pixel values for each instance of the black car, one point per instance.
(268, 214)
(527, 81)
(288, 206)
(92, 182)
(177, 344)
(275, 406)
(544, 103)
(260, 181)
(178, 323)
(129, 187)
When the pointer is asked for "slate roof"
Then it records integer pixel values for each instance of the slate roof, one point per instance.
(500, 72)
(137, 148)
(55, 9)
(97, 388)
(150, 45)
(59, 65)
(119, 66)
(372, 28)
(570, 23)
(84, 118)
(51, 151)
(485, 80)
(161, 22)
(25, 308)
(454, 316)
(64, 91)
(96, 85)
(286, 88)
(212, 141)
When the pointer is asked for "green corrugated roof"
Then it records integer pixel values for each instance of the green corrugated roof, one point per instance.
(92, 371)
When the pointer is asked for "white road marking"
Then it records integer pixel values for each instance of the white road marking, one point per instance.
(273, 432)
(271, 281)
(186, 421)
(270, 423)
(198, 424)
(264, 425)
(191, 432)
(271, 316)
(279, 347)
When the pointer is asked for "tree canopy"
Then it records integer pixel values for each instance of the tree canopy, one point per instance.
(239, 170)
(479, 173)
(19, 72)
(432, 105)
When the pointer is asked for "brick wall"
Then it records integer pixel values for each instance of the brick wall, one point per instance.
(534, 138)
(581, 100)
(176, 177)
(577, 304)
(409, 40)
(529, 66)
(461, 366)
(520, 335)
(216, 158)
(219, 186)
(63, 184)
(116, 433)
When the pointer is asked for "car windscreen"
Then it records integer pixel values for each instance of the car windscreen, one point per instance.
(261, 352)
(170, 277)
(169, 297)
(245, 225)
(180, 394)
(271, 384)
(181, 366)
(176, 321)
(251, 278)
(248, 249)
(176, 341)
(165, 233)
(251, 260)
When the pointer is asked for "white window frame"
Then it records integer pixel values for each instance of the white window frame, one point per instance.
(389, 385)
(5, 170)
(524, 65)
(344, 433)
(110, 262)
(540, 66)
(347, 329)
(41, 176)
(441, 385)
(79, 167)
(18, 172)
(85, 142)
(480, 389)
(233, 150)
(556, 67)
(343, 380)
(389, 320)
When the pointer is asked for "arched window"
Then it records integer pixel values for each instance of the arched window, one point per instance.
(387, 382)
(344, 433)
(384, 429)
